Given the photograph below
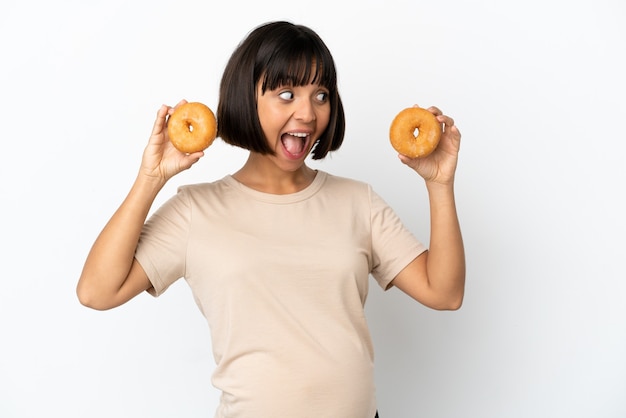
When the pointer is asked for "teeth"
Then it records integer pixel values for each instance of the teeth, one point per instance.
(298, 134)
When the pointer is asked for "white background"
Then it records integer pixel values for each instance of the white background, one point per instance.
(537, 89)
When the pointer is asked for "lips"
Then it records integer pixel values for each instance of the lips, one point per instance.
(295, 144)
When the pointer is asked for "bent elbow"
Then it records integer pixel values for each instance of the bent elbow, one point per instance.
(452, 303)
(90, 300)
(455, 305)
(87, 301)
(454, 299)
(94, 304)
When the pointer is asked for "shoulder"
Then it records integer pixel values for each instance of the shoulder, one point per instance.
(203, 189)
(190, 195)
(358, 191)
(345, 183)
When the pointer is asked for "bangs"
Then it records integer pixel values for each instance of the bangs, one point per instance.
(299, 63)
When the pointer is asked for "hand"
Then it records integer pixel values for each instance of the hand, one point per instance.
(440, 165)
(161, 161)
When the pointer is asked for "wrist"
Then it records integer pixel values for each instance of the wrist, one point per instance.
(148, 185)
(438, 187)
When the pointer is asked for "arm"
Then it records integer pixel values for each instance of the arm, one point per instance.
(436, 278)
(111, 276)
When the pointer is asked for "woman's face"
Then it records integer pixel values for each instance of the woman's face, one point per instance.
(292, 119)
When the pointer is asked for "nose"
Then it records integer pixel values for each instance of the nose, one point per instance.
(305, 111)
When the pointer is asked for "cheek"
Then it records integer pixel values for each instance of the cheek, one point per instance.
(266, 119)
(323, 118)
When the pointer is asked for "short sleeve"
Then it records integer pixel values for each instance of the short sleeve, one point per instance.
(393, 245)
(162, 246)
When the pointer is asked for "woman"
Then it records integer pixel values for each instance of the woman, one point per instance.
(278, 255)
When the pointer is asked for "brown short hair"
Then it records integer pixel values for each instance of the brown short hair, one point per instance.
(282, 54)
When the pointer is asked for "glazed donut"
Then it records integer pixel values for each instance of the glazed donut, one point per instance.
(192, 127)
(402, 132)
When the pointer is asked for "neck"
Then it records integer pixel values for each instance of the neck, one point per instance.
(262, 174)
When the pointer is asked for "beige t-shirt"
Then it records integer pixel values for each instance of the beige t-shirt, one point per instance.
(282, 281)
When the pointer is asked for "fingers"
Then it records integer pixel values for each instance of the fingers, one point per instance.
(405, 160)
(172, 109)
(162, 114)
(435, 111)
(447, 121)
(188, 160)
(159, 123)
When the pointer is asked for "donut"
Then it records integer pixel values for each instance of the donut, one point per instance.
(192, 127)
(402, 132)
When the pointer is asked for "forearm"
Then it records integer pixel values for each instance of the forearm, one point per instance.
(446, 255)
(112, 254)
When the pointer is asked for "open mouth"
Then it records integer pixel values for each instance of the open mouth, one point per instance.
(295, 143)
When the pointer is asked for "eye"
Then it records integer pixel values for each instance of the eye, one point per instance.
(286, 95)
(322, 96)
